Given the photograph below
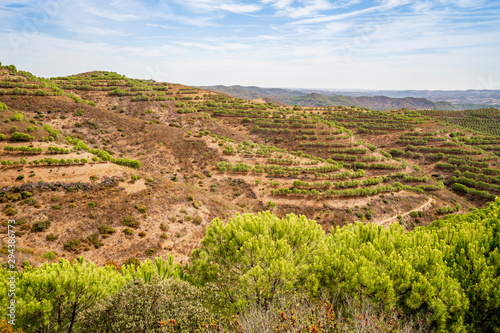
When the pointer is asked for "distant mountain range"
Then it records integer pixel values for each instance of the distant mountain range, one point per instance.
(375, 100)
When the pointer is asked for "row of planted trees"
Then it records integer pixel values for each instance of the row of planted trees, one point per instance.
(37, 150)
(48, 161)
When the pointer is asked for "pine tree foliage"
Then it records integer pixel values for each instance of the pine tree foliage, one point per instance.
(254, 258)
(51, 298)
(449, 271)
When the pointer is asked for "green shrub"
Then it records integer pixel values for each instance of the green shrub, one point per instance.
(130, 221)
(128, 231)
(40, 226)
(50, 238)
(49, 255)
(140, 306)
(94, 239)
(132, 261)
(106, 230)
(141, 209)
(16, 136)
(17, 117)
(197, 220)
(72, 245)
(10, 211)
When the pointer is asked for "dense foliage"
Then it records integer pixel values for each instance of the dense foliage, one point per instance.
(448, 273)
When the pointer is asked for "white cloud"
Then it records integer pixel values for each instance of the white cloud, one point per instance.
(215, 5)
(311, 8)
(279, 4)
(463, 3)
(98, 31)
(164, 26)
(306, 8)
(239, 8)
(110, 15)
(215, 46)
(338, 17)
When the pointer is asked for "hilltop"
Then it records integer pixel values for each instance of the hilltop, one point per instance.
(116, 168)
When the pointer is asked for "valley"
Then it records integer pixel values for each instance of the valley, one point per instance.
(117, 168)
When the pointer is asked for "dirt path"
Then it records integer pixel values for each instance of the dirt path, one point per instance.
(426, 205)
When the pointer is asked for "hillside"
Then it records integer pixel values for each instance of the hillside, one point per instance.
(377, 100)
(117, 168)
(253, 92)
(458, 97)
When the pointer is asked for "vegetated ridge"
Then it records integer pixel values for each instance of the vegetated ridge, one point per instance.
(375, 100)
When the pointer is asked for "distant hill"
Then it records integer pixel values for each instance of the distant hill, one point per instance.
(384, 100)
(473, 97)
(254, 92)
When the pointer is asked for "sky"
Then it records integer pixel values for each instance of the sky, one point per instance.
(328, 44)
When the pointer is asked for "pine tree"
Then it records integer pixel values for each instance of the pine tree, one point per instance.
(254, 258)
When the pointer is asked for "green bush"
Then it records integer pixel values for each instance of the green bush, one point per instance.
(40, 226)
(16, 136)
(49, 255)
(132, 261)
(17, 117)
(106, 229)
(95, 240)
(128, 231)
(130, 221)
(197, 220)
(140, 306)
(72, 245)
(50, 238)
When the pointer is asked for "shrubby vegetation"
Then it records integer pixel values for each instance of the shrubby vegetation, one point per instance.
(16, 136)
(102, 154)
(255, 263)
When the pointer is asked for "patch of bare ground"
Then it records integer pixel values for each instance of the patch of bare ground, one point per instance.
(426, 205)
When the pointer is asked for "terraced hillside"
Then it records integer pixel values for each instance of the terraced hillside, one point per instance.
(116, 168)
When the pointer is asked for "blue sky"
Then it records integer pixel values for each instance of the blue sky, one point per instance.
(344, 44)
